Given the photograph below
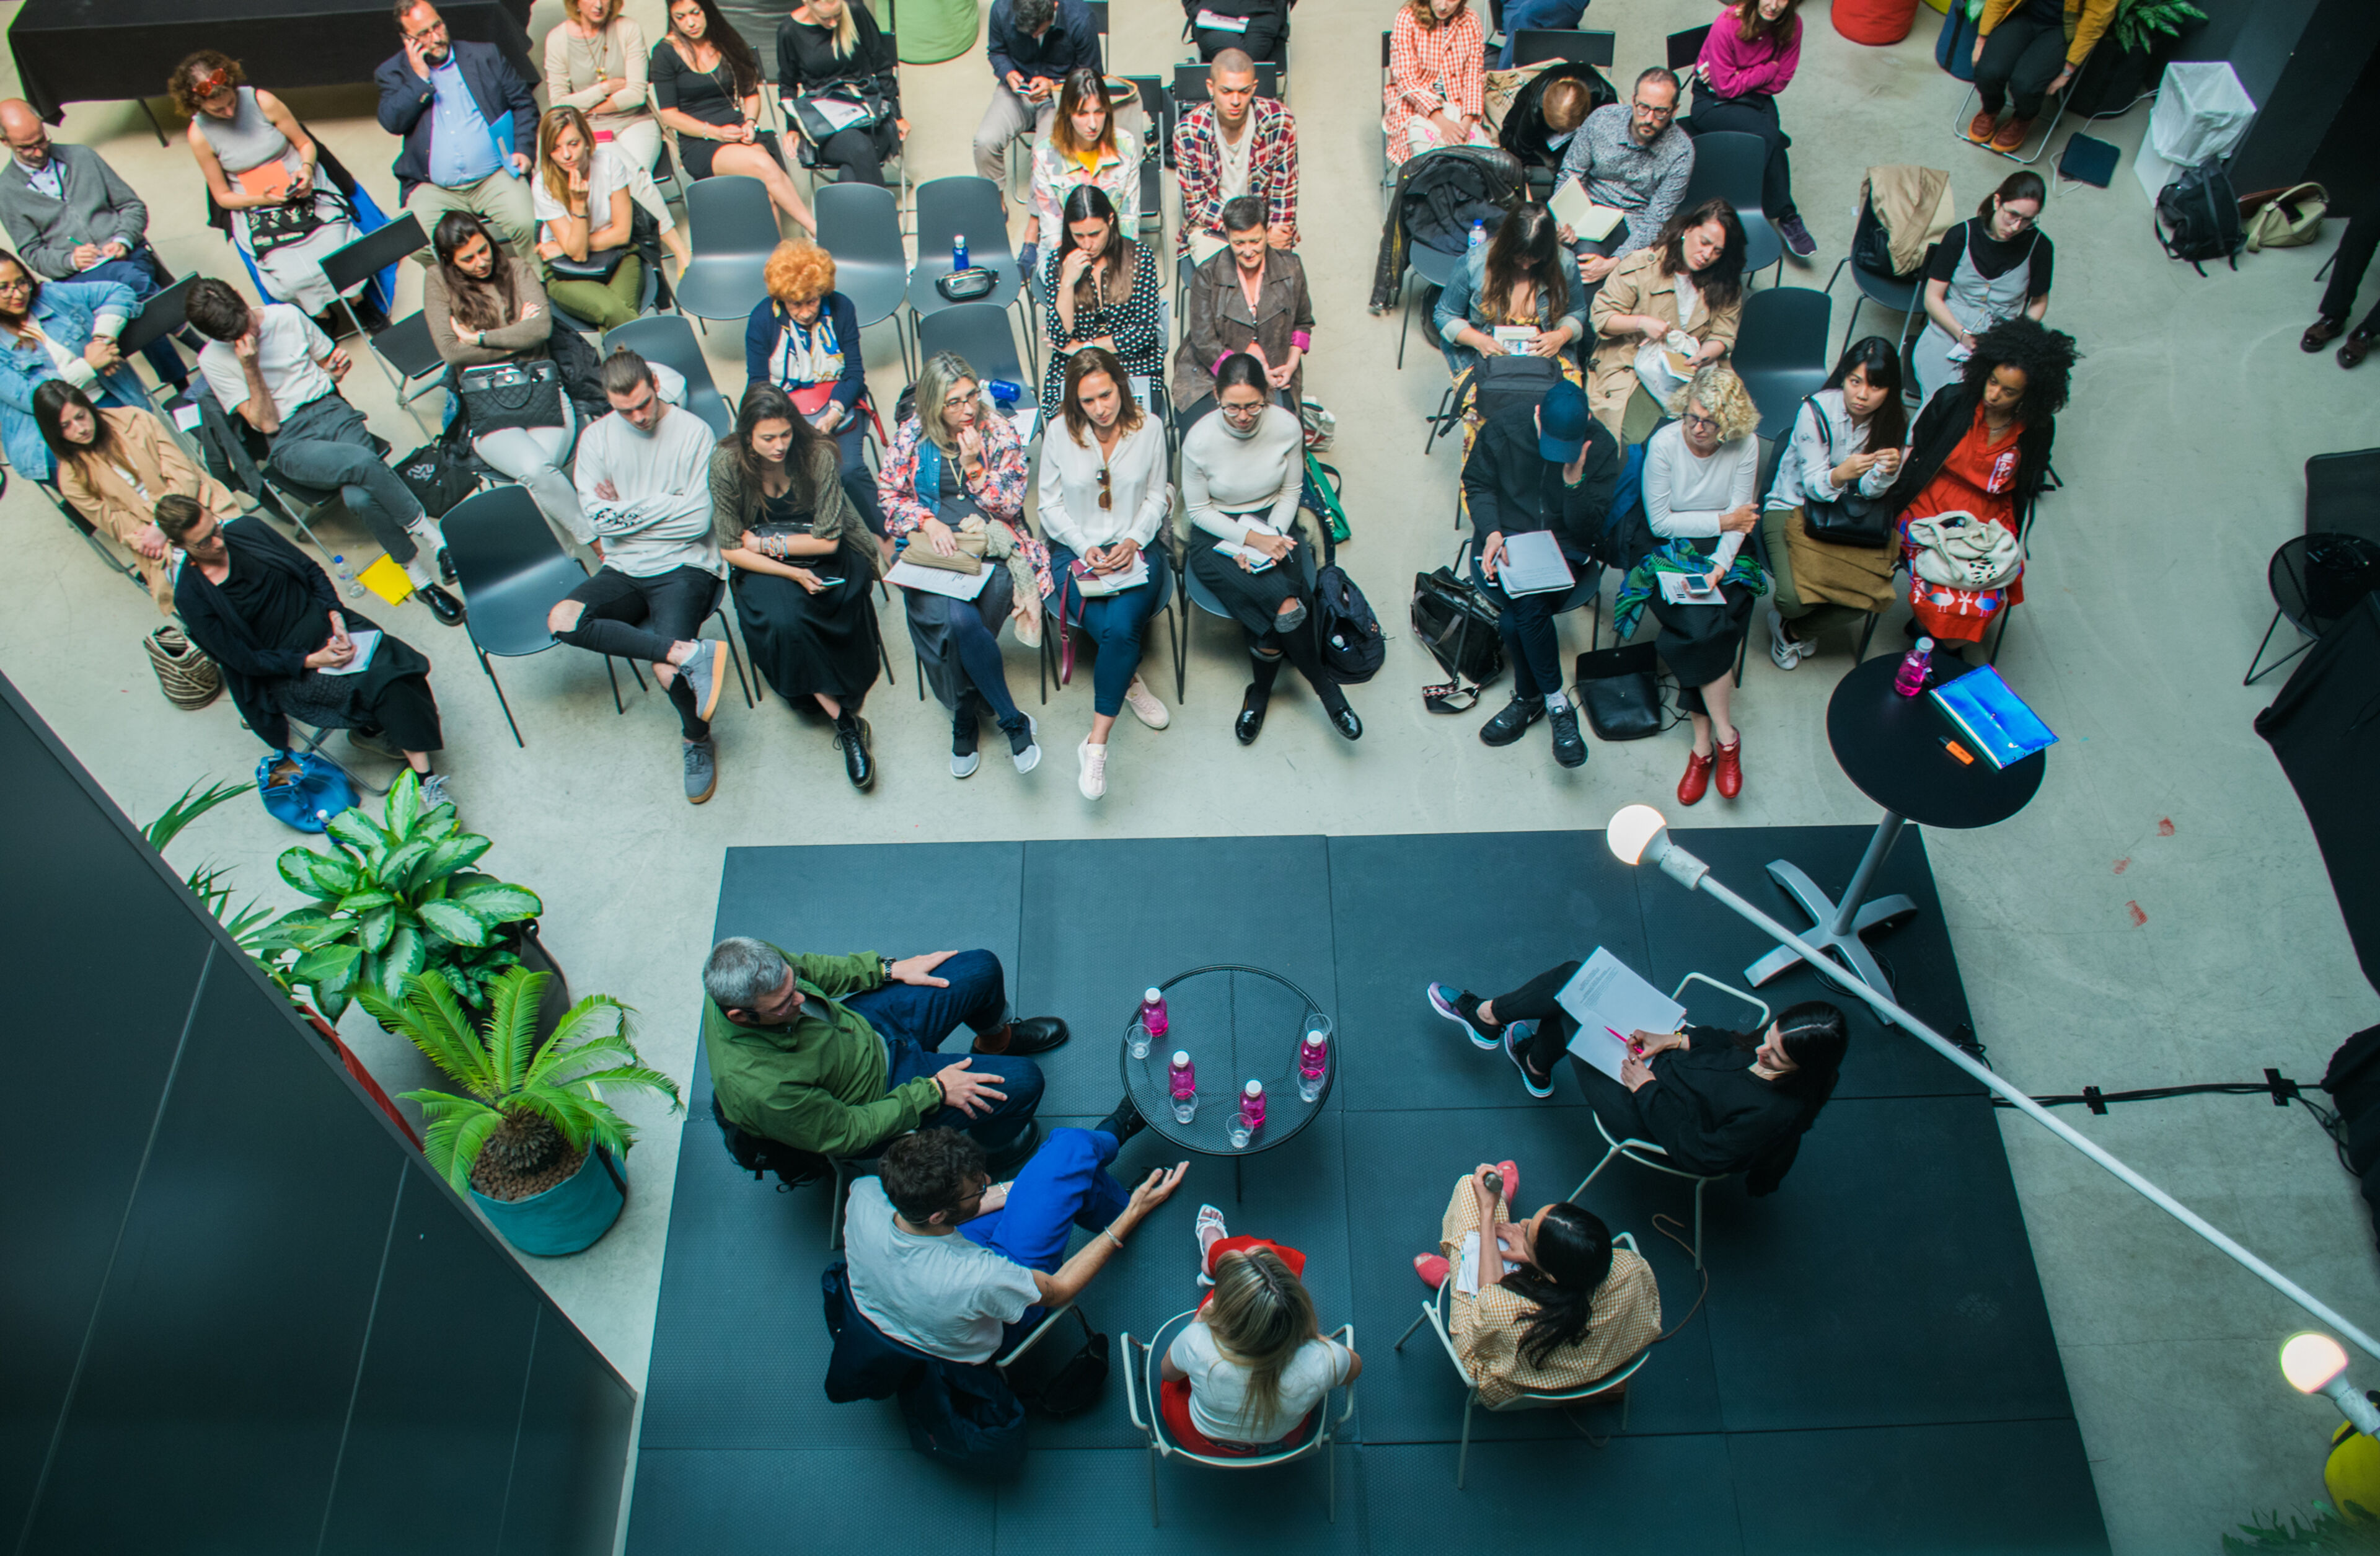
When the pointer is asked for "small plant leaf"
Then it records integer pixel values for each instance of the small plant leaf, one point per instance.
(332, 966)
(376, 928)
(358, 831)
(403, 958)
(454, 922)
(403, 806)
(365, 901)
(499, 900)
(188, 808)
(446, 857)
(297, 872)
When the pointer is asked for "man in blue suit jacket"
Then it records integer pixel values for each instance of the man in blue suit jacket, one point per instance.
(469, 123)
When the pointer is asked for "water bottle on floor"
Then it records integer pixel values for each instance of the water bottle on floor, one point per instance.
(1182, 1084)
(1312, 1058)
(1910, 679)
(1152, 1013)
(347, 577)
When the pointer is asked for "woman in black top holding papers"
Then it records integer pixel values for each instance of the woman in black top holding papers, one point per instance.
(1714, 1101)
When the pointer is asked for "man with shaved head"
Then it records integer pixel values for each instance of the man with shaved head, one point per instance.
(1236, 143)
(70, 218)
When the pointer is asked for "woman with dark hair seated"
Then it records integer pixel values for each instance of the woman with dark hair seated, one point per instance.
(803, 562)
(1554, 1305)
(1715, 1102)
(114, 466)
(1521, 278)
(1846, 442)
(54, 330)
(1242, 470)
(256, 605)
(1667, 309)
(1981, 447)
(1098, 287)
(1994, 265)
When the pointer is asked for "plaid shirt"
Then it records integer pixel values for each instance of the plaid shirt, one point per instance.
(1272, 169)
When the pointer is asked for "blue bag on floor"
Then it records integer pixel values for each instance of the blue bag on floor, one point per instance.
(303, 789)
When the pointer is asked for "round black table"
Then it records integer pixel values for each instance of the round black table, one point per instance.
(1891, 747)
(1238, 1024)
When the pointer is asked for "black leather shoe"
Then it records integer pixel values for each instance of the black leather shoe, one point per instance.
(445, 566)
(1569, 747)
(444, 607)
(1346, 722)
(853, 736)
(1251, 718)
(1513, 721)
(1036, 1034)
(1124, 1122)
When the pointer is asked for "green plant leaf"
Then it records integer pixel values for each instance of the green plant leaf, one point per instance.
(457, 923)
(332, 1005)
(454, 1131)
(188, 808)
(298, 871)
(501, 901)
(396, 870)
(375, 928)
(446, 857)
(403, 806)
(333, 877)
(404, 958)
(363, 902)
(329, 968)
(358, 831)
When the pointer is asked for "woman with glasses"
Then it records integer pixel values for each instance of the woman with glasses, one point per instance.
(1993, 266)
(1104, 497)
(1667, 311)
(1243, 469)
(57, 330)
(259, 168)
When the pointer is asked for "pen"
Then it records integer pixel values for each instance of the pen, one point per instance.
(1966, 758)
(1628, 1043)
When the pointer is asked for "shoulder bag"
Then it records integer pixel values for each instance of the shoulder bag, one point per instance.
(303, 789)
(276, 227)
(2284, 218)
(822, 116)
(1959, 550)
(1458, 625)
(1620, 689)
(188, 678)
(597, 265)
(1851, 519)
(501, 396)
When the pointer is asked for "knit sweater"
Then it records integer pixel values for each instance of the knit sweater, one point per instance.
(662, 519)
(1224, 476)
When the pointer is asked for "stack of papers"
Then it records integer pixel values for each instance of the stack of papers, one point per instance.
(1607, 997)
(1533, 564)
(905, 574)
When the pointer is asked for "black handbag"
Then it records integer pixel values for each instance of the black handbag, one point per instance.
(506, 395)
(597, 265)
(276, 227)
(817, 128)
(1620, 689)
(966, 285)
(1458, 624)
(1851, 519)
(1065, 1370)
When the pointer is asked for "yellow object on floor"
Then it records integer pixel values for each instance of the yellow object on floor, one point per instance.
(385, 578)
(2352, 1475)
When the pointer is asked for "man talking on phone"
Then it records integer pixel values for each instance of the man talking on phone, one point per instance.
(1547, 466)
(469, 123)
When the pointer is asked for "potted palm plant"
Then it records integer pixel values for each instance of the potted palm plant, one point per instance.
(532, 1138)
(398, 897)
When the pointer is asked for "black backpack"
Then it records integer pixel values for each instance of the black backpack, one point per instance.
(2198, 217)
(760, 1156)
(438, 477)
(1354, 646)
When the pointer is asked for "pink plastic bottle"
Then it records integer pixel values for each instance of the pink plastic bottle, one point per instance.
(1313, 1062)
(1182, 1084)
(1910, 679)
(1252, 1105)
(1152, 1013)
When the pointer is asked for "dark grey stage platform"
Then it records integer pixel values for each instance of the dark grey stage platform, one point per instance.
(1874, 1370)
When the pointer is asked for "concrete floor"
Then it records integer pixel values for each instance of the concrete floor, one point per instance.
(2157, 915)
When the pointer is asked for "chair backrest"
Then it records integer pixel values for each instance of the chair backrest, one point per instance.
(1780, 351)
(406, 345)
(1318, 1423)
(859, 225)
(1190, 82)
(163, 313)
(968, 205)
(1686, 47)
(1533, 46)
(375, 251)
(2343, 493)
(1727, 165)
(1098, 9)
(510, 569)
(669, 339)
(729, 215)
(980, 333)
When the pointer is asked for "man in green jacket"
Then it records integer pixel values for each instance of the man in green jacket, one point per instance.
(838, 1055)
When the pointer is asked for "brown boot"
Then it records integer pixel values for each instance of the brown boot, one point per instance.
(2321, 333)
(1980, 128)
(2011, 135)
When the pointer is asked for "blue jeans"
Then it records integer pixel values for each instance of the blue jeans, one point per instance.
(1526, 625)
(1114, 621)
(135, 270)
(914, 1022)
(1536, 15)
(1066, 1184)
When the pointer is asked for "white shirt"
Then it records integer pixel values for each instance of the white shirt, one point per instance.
(1684, 496)
(945, 1296)
(288, 357)
(1805, 469)
(1140, 498)
(605, 176)
(1218, 1386)
(1232, 156)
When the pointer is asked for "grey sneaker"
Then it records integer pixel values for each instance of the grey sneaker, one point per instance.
(706, 671)
(701, 770)
(374, 743)
(435, 792)
(1024, 748)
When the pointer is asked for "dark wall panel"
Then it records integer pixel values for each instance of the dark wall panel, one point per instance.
(574, 1449)
(74, 892)
(438, 1403)
(226, 1344)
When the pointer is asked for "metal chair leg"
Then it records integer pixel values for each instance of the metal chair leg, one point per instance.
(1330, 1491)
(1409, 1329)
(501, 701)
(1700, 1184)
(1154, 1521)
(1596, 1174)
(612, 675)
(1462, 1460)
(2255, 674)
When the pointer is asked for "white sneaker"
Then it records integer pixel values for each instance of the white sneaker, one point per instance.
(1786, 651)
(1094, 779)
(435, 792)
(1145, 706)
(1030, 756)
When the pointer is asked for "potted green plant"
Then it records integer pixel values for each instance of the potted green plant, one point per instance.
(532, 1138)
(396, 898)
(2129, 56)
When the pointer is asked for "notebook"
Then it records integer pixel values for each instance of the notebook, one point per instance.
(388, 580)
(2087, 160)
(936, 581)
(268, 180)
(366, 642)
(1533, 565)
(1096, 586)
(1606, 996)
(1994, 719)
(1587, 221)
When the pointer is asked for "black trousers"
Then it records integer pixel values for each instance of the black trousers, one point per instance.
(1533, 1000)
(643, 619)
(1268, 30)
(2347, 268)
(863, 151)
(1755, 115)
(2020, 57)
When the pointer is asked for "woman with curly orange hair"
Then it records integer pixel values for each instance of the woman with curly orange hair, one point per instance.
(804, 338)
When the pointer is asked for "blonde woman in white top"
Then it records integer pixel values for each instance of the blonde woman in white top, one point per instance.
(1104, 497)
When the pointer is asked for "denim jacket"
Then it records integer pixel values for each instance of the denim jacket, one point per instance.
(69, 312)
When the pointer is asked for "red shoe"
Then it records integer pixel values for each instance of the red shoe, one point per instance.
(1730, 768)
(1697, 783)
(1432, 1268)
(1512, 1184)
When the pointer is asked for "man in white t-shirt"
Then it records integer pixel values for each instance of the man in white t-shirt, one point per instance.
(944, 1259)
(273, 368)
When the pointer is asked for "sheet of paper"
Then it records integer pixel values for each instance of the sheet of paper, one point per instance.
(1210, 21)
(1514, 334)
(366, 642)
(1673, 591)
(1534, 565)
(839, 112)
(1024, 421)
(935, 580)
(1606, 996)
(186, 415)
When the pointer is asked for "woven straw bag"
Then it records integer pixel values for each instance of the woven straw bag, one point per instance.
(188, 678)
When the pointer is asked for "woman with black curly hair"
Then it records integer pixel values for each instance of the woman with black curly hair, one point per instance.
(1981, 448)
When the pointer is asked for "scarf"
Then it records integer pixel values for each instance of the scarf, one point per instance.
(810, 355)
(1676, 554)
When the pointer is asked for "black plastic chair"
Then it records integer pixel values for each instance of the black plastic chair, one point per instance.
(733, 229)
(1730, 166)
(946, 208)
(165, 312)
(1684, 50)
(512, 573)
(1898, 293)
(669, 340)
(980, 333)
(1436, 267)
(404, 348)
(1534, 45)
(2343, 493)
(2316, 581)
(1780, 352)
(861, 225)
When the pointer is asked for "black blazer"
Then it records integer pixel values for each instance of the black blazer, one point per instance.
(1939, 427)
(250, 669)
(1507, 481)
(496, 88)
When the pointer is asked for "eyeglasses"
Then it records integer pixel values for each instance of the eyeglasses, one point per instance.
(1664, 115)
(1691, 420)
(2018, 220)
(20, 284)
(1243, 413)
(1106, 491)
